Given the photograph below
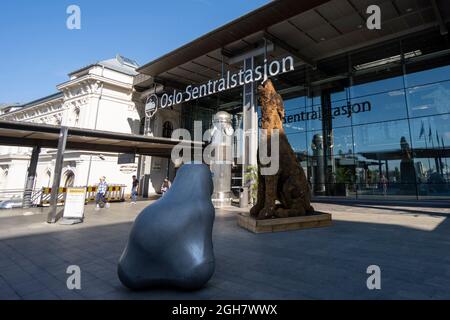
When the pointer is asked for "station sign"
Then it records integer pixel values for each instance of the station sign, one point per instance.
(227, 82)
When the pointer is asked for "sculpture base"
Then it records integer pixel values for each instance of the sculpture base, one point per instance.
(318, 219)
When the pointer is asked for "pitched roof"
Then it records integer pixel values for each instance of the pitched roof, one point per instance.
(43, 99)
(119, 63)
(20, 107)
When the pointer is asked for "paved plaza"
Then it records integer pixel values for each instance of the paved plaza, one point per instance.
(410, 245)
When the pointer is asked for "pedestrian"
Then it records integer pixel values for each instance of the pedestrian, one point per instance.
(384, 184)
(100, 198)
(134, 190)
(165, 186)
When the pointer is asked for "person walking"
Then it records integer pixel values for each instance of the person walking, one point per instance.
(165, 186)
(384, 184)
(100, 197)
(134, 190)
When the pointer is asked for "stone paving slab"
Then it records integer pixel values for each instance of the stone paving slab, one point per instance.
(410, 245)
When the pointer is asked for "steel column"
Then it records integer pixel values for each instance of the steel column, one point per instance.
(249, 123)
(52, 215)
(31, 175)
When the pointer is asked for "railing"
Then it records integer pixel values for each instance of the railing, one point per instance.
(115, 193)
(41, 197)
(36, 197)
(16, 196)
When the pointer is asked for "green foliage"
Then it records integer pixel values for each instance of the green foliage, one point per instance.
(343, 175)
(251, 180)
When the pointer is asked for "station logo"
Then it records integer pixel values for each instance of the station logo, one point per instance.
(151, 105)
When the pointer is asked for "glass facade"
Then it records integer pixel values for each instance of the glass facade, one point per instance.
(373, 123)
(381, 132)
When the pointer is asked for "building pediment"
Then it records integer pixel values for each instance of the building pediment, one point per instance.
(89, 84)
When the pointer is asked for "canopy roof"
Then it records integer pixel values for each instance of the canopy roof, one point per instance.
(311, 30)
(28, 134)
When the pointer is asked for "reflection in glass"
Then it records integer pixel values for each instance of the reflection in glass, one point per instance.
(313, 116)
(429, 99)
(295, 104)
(431, 153)
(374, 87)
(345, 175)
(298, 143)
(342, 141)
(318, 164)
(294, 121)
(395, 142)
(380, 138)
(380, 107)
(341, 111)
(428, 76)
(339, 95)
(385, 163)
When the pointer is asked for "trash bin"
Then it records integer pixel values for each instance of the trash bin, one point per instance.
(243, 197)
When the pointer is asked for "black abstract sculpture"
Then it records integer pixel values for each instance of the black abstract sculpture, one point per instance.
(170, 243)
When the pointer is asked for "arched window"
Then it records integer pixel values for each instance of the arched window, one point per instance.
(167, 129)
(69, 179)
(49, 177)
(76, 116)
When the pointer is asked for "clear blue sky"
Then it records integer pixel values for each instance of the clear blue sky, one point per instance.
(37, 51)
